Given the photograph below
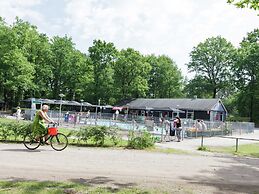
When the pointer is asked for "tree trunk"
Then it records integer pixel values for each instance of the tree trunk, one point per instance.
(251, 108)
(214, 92)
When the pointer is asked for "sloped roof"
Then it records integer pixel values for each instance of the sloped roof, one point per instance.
(53, 101)
(183, 104)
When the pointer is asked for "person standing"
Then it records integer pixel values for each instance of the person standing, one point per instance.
(18, 114)
(204, 126)
(198, 125)
(178, 126)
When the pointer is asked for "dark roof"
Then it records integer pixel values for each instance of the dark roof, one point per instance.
(53, 101)
(183, 104)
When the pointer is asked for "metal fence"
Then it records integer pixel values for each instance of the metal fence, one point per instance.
(156, 125)
(237, 140)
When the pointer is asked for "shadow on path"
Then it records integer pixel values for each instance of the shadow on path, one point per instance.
(22, 150)
(112, 185)
(240, 175)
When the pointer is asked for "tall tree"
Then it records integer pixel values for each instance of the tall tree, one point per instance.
(247, 73)
(165, 80)
(102, 56)
(62, 49)
(17, 76)
(16, 71)
(130, 75)
(211, 61)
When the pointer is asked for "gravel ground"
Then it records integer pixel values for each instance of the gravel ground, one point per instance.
(119, 168)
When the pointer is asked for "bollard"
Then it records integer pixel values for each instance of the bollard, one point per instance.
(236, 144)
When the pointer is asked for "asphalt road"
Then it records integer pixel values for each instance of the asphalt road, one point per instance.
(125, 168)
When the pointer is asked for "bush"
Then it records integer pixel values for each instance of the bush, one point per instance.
(98, 134)
(203, 148)
(7, 130)
(141, 141)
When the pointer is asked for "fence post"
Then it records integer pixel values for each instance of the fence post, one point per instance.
(236, 144)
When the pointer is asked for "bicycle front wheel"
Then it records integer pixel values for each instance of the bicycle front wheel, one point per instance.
(59, 142)
(30, 142)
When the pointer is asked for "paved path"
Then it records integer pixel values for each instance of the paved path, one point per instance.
(123, 168)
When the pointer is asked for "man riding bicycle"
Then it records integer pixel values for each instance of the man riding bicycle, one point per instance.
(38, 126)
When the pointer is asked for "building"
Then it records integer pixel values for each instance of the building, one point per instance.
(206, 109)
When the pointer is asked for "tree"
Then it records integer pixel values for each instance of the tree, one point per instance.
(211, 61)
(165, 80)
(130, 75)
(251, 4)
(18, 75)
(62, 49)
(247, 73)
(15, 70)
(102, 56)
(36, 48)
(198, 87)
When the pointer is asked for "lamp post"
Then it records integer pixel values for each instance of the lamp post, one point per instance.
(81, 105)
(61, 96)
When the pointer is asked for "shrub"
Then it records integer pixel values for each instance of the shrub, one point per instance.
(141, 141)
(98, 134)
(7, 130)
(203, 148)
(113, 135)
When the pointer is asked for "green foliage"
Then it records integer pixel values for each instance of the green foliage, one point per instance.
(247, 71)
(211, 61)
(203, 148)
(130, 74)
(251, 4)
(13, 129)
(140, 141)
(98, 134)
(102, 57)
(165, 80)
(33, 65)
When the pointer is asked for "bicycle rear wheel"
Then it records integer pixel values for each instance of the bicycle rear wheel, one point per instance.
(30, 142)
(59, 142)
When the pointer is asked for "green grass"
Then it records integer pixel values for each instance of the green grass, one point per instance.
(49, 187)
(167, 150)
(243, 150)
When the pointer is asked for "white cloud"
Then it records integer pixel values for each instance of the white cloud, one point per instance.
(9, 9)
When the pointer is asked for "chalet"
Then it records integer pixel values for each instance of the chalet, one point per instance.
(206, 109)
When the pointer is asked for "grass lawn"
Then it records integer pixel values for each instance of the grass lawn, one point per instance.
(49, 187)
(243, 150)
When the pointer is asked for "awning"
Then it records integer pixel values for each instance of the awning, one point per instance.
(117, 108)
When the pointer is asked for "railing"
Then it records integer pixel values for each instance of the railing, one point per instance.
(236, 138)
(155, 124)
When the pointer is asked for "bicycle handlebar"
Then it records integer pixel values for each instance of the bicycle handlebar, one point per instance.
(52, 124)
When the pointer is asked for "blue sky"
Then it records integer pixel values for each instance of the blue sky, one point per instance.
(171, 27)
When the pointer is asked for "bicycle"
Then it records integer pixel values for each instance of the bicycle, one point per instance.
(58, 141)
